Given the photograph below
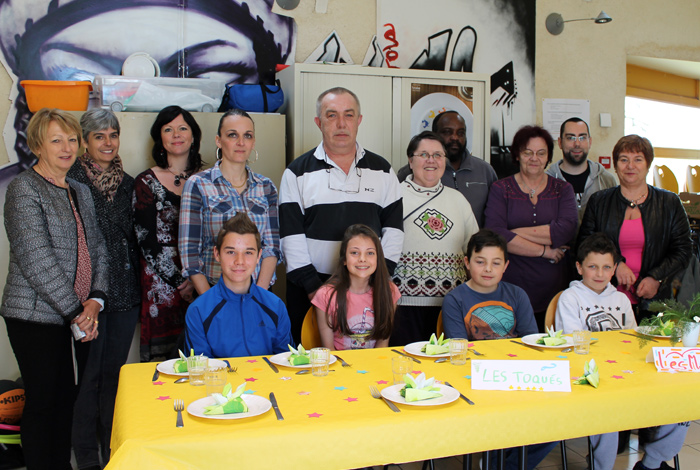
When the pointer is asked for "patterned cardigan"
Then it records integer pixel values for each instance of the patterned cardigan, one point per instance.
(41, 229)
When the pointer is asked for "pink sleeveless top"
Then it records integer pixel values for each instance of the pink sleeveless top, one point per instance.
(631, 248)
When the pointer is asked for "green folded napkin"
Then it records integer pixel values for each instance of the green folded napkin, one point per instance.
(227, 402)
(419, 388)
(552, 338)
(299, 356)
(180, 366)
(590, 374)
(436, 346)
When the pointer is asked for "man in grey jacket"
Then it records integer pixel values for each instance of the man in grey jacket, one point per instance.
(586, 176)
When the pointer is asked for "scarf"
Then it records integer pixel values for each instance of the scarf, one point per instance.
(106, 181)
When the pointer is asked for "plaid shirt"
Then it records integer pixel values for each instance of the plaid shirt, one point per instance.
(208, 200)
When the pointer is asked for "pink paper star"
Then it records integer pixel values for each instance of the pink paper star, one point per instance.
(314, 415)
(304, 393)
(626, 341)
(252, 360)
(611, 361)
(158, 383)
(575, 378)
(163, 398)
(349, 399)
(251, 379)
(415, 372)
(512, 355)
(470, 345)
(381, 382)
(617, 377)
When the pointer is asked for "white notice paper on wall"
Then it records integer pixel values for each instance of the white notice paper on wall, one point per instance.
(556, 111)
(536, 376)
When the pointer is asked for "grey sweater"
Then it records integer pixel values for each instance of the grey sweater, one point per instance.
(42, 232)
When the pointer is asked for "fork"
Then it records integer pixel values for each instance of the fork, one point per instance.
(228, 365)
(475, 352)
(179, 406)
(344, 364)
(375, 394)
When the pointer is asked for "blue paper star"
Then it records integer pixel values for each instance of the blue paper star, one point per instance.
(362, 371)
(250, 392)
(468, 377)
(340, 388)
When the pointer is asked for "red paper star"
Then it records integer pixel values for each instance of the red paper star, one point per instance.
(617, 377)
(251, 379)
(158, 383)
(162, 398)
(349, 399)
(382, 382)
(512, 355)
(626, 341)
(415, 372)
(611, 361)
(304, 393)
(314, 415)
(252, 360)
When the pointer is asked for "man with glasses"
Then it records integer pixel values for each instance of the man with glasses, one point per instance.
(327, 189)
(469, 175)
(586, 176)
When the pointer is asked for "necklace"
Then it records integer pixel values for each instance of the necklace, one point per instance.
(635, 202)
(181, 176)
(245, 181)
(532, 191)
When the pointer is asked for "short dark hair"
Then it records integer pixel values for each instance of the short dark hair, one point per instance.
(233, 112)
(240, 224)
(417, 139)
(439, 117)
(634, 143)
(523, 136)
(598, 242)
(573, 119)
(166, 115)
(483, 238)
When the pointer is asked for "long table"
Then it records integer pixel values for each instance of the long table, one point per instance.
(333, 422)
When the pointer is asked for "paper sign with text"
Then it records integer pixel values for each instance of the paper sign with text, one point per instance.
(675, 359)
(540, 376)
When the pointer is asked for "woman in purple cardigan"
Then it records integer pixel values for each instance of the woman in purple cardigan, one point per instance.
(537, 215)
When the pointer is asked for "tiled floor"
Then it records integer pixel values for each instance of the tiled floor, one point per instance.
(576, 456)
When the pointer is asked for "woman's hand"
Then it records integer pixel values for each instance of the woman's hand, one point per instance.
(87, 320)
(625, 276)
(555, 254)
(186, 290)
(648, 288)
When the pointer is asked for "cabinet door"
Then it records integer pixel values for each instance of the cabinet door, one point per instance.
(375, 94)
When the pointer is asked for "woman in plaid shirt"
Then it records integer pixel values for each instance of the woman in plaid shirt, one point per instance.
(217, 194)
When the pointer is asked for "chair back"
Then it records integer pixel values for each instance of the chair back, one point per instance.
(439, 328)
(665, 179)
(692, 179)
(310, 337)
(552, 311)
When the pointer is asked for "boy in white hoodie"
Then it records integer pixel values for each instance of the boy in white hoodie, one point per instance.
(594, 304)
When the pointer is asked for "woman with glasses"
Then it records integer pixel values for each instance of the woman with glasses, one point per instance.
(437, 223)
(537, 215)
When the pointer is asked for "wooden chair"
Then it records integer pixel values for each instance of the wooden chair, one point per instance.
(310, 337)
(551, 311)
(439, 329)
(692, 179)
(665, 179)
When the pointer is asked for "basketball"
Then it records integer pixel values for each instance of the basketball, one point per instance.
(11, 402)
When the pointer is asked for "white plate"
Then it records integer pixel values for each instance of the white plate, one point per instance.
(282, 359)
(415, 349)
(140, 64)
(643, 330)
(449, 395)
(166, 367)
(256, 406)
(424, 111)
(532, 341)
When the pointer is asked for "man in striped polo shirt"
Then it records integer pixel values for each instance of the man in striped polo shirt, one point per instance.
(325, 190)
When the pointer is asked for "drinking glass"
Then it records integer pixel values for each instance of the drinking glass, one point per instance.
(196, 366)
(215, 379)
(582, 341)
(458, 351)
(400, 366)
(319, 361)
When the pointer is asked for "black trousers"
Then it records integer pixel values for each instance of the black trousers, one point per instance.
(45, 360)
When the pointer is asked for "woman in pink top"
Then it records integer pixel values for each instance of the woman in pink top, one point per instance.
(648, 225)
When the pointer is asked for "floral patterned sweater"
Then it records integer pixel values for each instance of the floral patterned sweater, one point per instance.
(438, 223)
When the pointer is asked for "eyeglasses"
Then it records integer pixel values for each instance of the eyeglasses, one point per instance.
(425, 155)
(574, 138)
(343, 189)
(529, 153)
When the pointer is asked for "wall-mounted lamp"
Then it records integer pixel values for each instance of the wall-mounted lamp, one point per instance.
(555, 22)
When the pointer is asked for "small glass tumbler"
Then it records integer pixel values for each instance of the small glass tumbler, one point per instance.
(458, 351)
(320, 358)
(400, 366)
(582, 341)
(215, 379)
(196, 366)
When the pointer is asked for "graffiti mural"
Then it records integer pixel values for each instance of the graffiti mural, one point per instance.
(442, 35)
(239, 41)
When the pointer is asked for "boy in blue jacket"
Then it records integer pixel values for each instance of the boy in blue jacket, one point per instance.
(237, 318)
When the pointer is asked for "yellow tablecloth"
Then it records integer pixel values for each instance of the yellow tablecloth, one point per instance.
(333, 422)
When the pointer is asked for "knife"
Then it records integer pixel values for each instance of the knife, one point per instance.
(272, 366)
(273, 400)
(641, 335)
(410, 357)
(460, 394)
(526, 345)
(155, 374)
